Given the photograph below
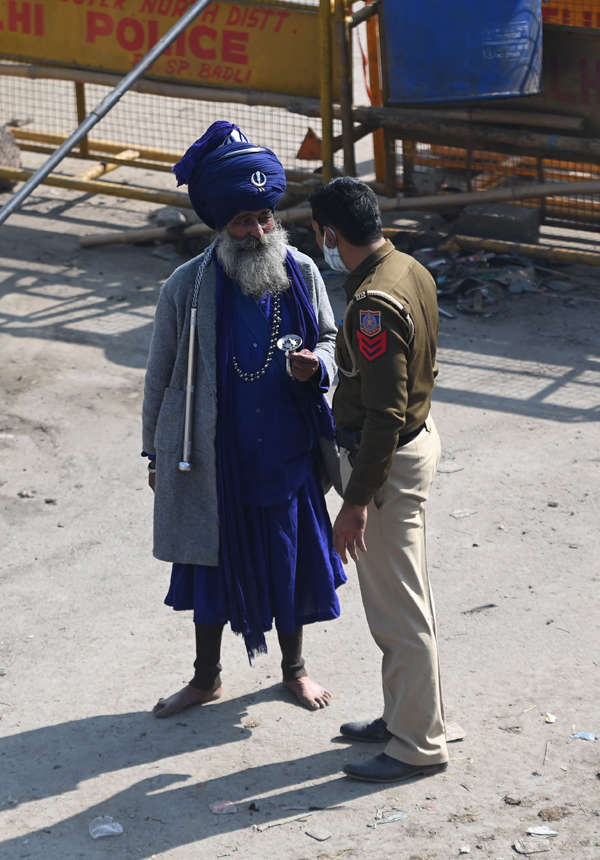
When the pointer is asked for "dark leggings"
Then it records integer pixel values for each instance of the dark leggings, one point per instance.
(207, 666)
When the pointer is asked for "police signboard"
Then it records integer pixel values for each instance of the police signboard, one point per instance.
(272, 46)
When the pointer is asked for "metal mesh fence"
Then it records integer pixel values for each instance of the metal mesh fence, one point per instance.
(572, 13)
(450, 168)
(160, 122)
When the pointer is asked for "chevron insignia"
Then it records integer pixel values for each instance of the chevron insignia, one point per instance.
(372, 347)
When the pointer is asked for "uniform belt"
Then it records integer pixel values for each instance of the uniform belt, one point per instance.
(350, 439)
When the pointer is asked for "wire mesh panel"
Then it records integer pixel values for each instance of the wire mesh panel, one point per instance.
(571, 13)
(451, 168)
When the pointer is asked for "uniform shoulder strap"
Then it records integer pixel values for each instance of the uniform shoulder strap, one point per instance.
(365, 294)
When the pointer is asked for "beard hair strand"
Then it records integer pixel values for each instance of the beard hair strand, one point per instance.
(256, 265)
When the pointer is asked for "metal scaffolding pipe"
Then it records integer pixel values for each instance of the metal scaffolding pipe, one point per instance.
(107, 103)
(517, 192)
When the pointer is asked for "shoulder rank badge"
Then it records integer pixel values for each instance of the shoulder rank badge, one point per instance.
(372, 341)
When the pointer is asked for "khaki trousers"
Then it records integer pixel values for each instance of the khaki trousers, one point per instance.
(398, 603)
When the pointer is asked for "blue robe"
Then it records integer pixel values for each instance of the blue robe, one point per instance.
(287, 527)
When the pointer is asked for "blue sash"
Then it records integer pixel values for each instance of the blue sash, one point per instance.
(235, 553)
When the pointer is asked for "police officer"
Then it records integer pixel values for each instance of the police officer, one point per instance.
(386, 354)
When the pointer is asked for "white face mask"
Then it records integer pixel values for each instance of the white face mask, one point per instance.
(332, 255)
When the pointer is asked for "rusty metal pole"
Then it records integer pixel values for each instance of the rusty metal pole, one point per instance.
(343, 54)
(326, 89)
(81, 114)
(375, 84)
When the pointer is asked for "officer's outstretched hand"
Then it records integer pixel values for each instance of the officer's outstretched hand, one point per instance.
(303, 365)
(349, 531)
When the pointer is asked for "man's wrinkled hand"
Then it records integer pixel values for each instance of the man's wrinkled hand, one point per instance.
(349, 531)
(303, 365)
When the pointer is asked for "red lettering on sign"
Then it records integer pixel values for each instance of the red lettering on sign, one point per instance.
(282, 17)
(119, 4)
(130, 34)
(38, 19)
(211, 13)
(234, 46)
(198, 33)
(19, 14)
(97, 24)
(152, 34)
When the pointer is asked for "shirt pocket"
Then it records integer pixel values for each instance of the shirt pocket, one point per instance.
(169, 427)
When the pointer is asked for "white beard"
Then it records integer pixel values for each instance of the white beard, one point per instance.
(257, 265)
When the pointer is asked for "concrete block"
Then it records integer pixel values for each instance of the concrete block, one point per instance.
(500, 221)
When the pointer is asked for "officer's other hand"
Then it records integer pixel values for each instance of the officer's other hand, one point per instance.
(349, 531)
(152, 480)
(303, 364)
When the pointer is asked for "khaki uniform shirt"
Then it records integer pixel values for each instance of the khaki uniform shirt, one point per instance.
(385, 352)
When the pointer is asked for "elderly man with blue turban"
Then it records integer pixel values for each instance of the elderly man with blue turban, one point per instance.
(246, 526)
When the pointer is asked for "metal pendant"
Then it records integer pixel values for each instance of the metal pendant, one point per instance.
(289, 343)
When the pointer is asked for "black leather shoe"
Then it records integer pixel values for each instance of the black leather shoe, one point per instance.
(373, 733)
(384, 768)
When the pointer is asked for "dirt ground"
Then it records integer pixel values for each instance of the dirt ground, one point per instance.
(87, 646)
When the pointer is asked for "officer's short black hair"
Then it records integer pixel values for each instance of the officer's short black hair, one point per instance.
(349, 206)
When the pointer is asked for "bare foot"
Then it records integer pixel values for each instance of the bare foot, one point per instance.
(310, 694)
(184, 698)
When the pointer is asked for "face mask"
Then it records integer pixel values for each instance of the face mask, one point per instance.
(333, 257)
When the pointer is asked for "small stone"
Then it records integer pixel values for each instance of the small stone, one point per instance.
(552, 813)
(512, 801)
(552, 504)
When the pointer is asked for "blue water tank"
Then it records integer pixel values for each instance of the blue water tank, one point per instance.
(454, 50)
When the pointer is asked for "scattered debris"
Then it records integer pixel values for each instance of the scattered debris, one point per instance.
(319, 835)
(513, 730)
(546, 753)
(266, 825)
(250, 724)
(461, 515)
(481, 608)
(50, 501)
(462, 817)
(388, 819)
(2, 671)
(552, 813)
(552, 504)
(550, 718)
(454, 733)
(253, 807)
(104, 825)
(26, 494)
(584, 736)
(223, 807)
(528, 846)
(464, 849)
(168, 216)
(541, 830)
(512, 801)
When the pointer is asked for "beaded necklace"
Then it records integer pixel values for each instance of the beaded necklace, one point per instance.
(255, 375)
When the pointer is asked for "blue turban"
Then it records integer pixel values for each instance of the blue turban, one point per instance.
(226, 174)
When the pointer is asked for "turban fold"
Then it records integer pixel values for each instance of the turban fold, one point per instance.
(227, 174)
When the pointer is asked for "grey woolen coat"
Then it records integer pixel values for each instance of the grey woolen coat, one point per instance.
(186, 522)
